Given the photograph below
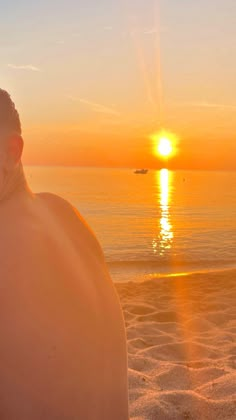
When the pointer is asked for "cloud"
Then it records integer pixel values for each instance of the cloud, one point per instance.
(60, 42)
(150, 31)
(108, 28)
(153, 31)
(207, 105)
(28, 67)
(94, 106)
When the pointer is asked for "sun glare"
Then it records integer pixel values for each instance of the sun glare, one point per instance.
(164, 144)
(164, 147)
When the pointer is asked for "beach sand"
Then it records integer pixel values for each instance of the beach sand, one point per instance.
(181, 336)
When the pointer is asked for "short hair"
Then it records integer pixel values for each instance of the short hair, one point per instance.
(9, 117)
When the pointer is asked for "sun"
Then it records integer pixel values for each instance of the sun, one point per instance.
(164, 147)
(164, 144)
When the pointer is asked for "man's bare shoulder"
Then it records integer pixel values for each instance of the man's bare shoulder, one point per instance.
(70, 218)
(57, 203)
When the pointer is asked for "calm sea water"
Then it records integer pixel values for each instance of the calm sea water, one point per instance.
(162, 222)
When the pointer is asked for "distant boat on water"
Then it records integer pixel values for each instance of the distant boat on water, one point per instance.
(141, 171)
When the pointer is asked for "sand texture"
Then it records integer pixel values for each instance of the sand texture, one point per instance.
(181, 336)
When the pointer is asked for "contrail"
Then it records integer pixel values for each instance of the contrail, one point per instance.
(154, 89)
(23, 67)
(143, 67)
(159, 85)
(96, 107)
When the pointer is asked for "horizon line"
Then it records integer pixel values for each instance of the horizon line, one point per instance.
(130, 168)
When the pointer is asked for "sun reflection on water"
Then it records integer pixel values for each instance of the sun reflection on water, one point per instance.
(166, 235)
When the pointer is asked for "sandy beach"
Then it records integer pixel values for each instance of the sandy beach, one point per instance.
(181, 334)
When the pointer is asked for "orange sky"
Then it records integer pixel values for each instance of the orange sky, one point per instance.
(93, 82)
(205, 141)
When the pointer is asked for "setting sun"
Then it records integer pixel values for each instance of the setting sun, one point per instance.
(164, 144)
(165, 147)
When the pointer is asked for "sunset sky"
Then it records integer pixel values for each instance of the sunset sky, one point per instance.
(93, 80)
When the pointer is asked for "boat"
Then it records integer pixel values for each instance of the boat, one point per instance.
(141, 171)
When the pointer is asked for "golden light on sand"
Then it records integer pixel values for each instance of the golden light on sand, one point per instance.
(164, 144)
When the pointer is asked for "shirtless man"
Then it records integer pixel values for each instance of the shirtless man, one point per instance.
(62, 339)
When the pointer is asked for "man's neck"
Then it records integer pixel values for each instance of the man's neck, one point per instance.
(13, 184)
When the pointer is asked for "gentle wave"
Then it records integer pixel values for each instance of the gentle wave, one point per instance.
(145, 270)
(164, 221)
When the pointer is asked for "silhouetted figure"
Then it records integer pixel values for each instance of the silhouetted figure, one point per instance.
(63, 346)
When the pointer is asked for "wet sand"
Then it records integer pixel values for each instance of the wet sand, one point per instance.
(181, 335)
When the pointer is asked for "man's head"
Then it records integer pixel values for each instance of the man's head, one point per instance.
(11, 143)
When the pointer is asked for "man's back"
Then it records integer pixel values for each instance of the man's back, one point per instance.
(63, 347)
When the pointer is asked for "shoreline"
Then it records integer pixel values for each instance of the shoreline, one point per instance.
(181, 337)
(142, 278)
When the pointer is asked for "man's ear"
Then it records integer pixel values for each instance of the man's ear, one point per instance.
(15, 148)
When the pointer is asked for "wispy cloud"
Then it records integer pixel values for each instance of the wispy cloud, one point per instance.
(28, 67)
(60, 42)
(207, 105)
(108, 28)
(153, 31)
(96, 107)
(150, 31)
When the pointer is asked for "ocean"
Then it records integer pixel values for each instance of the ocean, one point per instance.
(162, 223)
